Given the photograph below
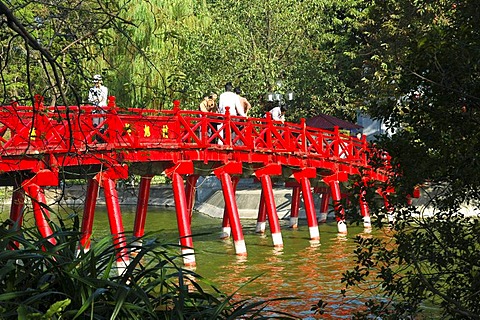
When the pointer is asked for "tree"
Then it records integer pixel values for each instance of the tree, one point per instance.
(47, 48)
(420, 74)
(276, 46)
(145, 61)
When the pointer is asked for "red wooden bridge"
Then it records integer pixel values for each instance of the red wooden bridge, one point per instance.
(41, 145)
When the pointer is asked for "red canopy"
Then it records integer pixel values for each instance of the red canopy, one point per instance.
(324, 121)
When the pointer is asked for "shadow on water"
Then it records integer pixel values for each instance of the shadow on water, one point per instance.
(307, 271)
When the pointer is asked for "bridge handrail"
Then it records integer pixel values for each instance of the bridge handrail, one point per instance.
(39, 129)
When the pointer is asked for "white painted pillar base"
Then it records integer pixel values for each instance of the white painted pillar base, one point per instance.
(260, 228)
(391, 218)
(277, 239)
(135, 248)
(226, 232)
(240, 247)
(314, 233)
(342, 226)
(189, 257)
(323, 217)
(122, 266)
(293, 222)
(80, 250)
(366, 222)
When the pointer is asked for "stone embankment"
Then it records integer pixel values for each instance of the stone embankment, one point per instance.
(209, 197)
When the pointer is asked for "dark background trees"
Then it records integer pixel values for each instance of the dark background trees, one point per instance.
(420, 75)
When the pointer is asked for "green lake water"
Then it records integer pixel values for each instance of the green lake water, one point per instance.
(307, 271)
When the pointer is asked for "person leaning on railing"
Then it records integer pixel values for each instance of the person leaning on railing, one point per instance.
(231, 100)
(278, 113)
(208, 103)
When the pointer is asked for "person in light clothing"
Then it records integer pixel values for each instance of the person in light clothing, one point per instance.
(229, 99)
(278, 113)
(243, 101)
(98, 95)
(232, 100)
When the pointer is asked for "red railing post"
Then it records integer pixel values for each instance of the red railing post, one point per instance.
(228, 127)
(337, 142)
(364, 152)
(175, 126)
(304, 134)
(247, 132)
(268, 133)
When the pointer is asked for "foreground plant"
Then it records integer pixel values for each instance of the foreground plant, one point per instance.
(42, 281)
(428, 262)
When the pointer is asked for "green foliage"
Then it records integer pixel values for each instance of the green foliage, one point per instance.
(421, 77)
(42, 281)
(277, 46)
(46, 48)
(144, 63)
(430, 261)
(153, 52)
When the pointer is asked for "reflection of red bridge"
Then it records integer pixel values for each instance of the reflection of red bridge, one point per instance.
(40, 145)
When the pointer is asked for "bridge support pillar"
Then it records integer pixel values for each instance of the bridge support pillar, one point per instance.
(262, 215)
(364, 210)
(226, 229)
(264, 175)
(223, 174)
(338, 207)
(267, 188)
(142, 207)
(325, 194)
(190, 193)
(88, 214)
(16, 209)
(183, 220)
(181, 206)
(388, 206)
(16, 212)
(310, 210)
(40, 212)
(116, 224)
(295, 205)
(303, 178)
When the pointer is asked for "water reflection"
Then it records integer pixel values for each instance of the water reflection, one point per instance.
(309, 270)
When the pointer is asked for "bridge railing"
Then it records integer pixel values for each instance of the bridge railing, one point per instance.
(39, 129)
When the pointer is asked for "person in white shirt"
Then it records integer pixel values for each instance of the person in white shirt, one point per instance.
(98, 95)
(229, 99)
(278, 113)
(232, 100)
